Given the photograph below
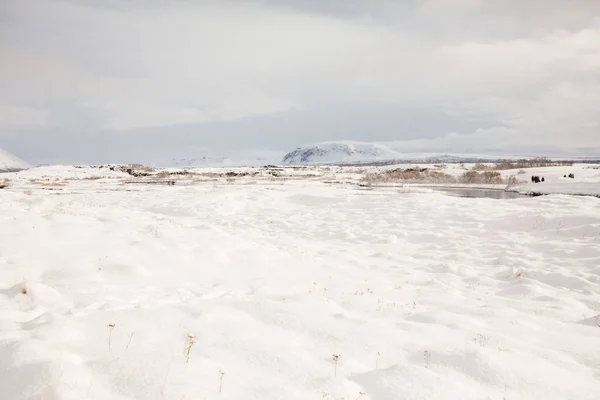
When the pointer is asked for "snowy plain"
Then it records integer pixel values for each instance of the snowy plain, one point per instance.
(108, 285)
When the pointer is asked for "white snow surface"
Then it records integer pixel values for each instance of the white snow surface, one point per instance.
(9, 161)
(65, 172)
(422, 295)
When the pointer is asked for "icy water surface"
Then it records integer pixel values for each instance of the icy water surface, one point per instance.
(481, 193)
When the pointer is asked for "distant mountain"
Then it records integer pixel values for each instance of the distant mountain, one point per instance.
(331, 153)
(9, 162)
(370, 153)
(207, 161)
(339, 152)
(197, 162)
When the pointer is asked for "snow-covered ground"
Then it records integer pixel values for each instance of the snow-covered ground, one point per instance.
(586, 181)
(106, 288)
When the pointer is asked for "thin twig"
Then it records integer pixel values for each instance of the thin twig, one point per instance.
(129, 342)
(221, 380)
(110, 329)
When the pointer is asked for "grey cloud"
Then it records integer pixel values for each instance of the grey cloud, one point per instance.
(117, 80)
(278, 132)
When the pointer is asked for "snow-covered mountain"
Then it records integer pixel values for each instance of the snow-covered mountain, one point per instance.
(340, 152)
(207, 157)
(207, 161)
(365, 153)
(9, 162)
(197, 162)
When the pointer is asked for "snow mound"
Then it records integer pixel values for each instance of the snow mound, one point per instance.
(9, 162)
(70, 172)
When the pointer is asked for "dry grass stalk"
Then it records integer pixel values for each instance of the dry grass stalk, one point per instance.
(188, 346)
(336, 359)
(110, 329)
(221, 375)
(129, 342)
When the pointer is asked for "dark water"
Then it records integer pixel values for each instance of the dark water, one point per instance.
(481, 193)
(473, 193)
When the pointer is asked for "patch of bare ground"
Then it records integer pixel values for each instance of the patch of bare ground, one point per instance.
(48, 183)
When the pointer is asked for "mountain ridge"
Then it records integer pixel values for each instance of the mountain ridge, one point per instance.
(11, 163)
(386, 153)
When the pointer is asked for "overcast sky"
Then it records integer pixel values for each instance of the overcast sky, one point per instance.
(145, 80)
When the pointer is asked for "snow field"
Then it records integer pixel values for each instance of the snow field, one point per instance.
(422, 295)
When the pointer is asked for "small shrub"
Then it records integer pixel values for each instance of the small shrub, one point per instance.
(538, 162)
(512, 181)
(140, 167)
(481, 167)
(409, 175)
(487, 177)
(163, 174)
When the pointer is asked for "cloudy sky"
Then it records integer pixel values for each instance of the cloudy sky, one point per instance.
(150, 80)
